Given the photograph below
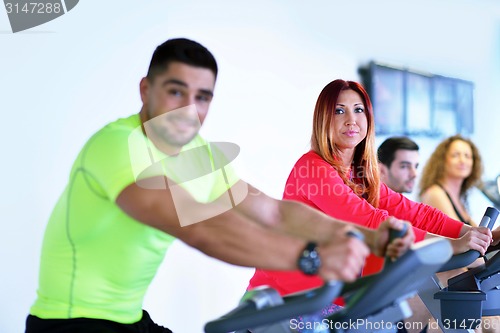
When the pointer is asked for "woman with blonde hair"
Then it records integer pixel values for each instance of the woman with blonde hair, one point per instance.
(451, 171)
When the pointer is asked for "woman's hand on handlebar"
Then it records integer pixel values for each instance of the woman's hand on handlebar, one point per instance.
(476, 238)
(343, 257)
(381, 246)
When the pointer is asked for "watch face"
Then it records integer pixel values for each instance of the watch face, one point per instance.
(309, 262)
(308, 265)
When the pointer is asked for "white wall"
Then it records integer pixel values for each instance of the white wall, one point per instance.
(62, 81)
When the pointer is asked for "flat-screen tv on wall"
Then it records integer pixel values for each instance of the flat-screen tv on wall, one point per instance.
(409, 102)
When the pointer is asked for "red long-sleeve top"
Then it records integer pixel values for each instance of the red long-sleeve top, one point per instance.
(316, 183)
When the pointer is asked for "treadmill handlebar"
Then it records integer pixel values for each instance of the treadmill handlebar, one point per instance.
(460, 260)
(259, 307)
(247, 315)
(393, 234)
(253, 311)
(489, 218)
(467, 258)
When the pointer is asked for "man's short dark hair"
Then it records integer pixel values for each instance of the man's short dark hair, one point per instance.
(387, 150)
(181, 50)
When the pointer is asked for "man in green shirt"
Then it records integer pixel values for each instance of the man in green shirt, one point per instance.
(142, 181)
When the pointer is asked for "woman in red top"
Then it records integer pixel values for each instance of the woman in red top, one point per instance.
(340, 177)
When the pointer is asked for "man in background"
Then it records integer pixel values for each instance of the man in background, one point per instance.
(398, 162)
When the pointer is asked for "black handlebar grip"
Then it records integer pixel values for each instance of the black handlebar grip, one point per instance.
(393, 233)
(460, 260)
(489, 218)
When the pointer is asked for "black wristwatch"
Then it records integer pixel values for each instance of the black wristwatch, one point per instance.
(309, 261)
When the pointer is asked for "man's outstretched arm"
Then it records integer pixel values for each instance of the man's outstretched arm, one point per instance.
(259, 232)
(298, 219)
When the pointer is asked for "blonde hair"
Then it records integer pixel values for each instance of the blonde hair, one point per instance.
(433, 172)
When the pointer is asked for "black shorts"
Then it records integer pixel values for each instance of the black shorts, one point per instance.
(89, 325)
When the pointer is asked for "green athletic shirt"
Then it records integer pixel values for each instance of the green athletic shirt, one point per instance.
(96, 261)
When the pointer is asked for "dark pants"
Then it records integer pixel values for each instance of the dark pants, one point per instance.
(89, 325)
